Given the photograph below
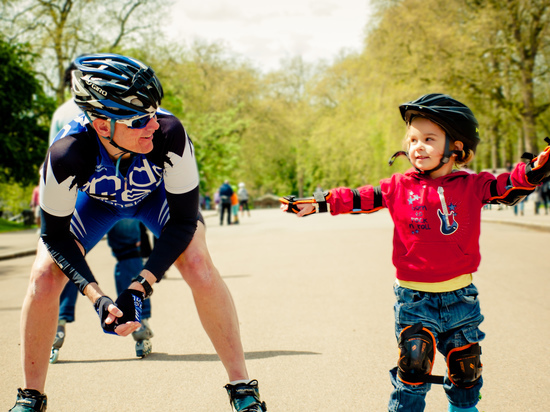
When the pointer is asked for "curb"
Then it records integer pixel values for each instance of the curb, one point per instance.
(29, 252)
(21, 253)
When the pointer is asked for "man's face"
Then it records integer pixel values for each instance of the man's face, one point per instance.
(135, 140)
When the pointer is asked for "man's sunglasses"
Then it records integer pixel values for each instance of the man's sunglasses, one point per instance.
(138, 122)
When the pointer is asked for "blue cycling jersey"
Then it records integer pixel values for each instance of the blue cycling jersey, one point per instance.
(78, 166)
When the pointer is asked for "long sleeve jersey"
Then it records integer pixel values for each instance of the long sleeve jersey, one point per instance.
(436, 221)
(77, 161)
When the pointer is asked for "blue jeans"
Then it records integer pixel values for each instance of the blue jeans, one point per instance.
(453, 318)
(225, 207)
(123, 239)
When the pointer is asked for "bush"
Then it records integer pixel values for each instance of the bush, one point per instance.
(14, 198)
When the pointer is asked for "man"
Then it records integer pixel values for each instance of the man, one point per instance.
(226, 191)
(124, 239)
(123, 158)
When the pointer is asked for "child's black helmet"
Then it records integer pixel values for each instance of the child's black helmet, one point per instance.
(454, 117)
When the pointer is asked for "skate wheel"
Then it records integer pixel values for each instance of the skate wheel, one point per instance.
(143, 348)
(54, 356)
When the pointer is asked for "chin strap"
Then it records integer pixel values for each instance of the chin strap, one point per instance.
(112, 143)
(124, 150)
(396, 155)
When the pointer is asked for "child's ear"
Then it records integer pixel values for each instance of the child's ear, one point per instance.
(458, 145)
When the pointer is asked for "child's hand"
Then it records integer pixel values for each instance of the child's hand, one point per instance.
(301, 207)
(305, 209)
(541, 159)
(539, 170)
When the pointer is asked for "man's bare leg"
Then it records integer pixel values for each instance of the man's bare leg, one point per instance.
(39, 318)
(214, 304)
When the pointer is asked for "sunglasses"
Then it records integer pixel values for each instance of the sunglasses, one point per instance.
(138, 122)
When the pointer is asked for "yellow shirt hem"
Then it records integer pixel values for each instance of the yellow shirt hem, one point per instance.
(438, 287)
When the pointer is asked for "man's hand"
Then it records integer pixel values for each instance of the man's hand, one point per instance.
(130, 301)
(109, 313)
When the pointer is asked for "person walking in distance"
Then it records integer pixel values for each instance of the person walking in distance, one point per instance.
(225, 193)
(242, 193)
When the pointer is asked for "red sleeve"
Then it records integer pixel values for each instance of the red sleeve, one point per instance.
(341, 200)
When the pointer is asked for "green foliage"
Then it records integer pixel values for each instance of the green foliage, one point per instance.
(217, 145)
(335, 124)
(7, 226)
(58, 31)
(25, 116)
(14, 197)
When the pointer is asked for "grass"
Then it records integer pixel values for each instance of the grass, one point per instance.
(7, 226)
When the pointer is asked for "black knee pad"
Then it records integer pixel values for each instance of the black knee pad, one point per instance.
(464, 365)
(416, 354)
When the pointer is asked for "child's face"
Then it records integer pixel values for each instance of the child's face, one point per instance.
(426, 142)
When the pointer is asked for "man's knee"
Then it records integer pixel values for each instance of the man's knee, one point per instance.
(196, 267)
(46, 281)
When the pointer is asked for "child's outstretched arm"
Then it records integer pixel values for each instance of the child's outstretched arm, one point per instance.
(306, 206)
(510, 188)
(365, 199)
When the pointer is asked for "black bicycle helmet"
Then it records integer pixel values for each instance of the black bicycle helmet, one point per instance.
(111, 86)
(455, 118)
(115, 87)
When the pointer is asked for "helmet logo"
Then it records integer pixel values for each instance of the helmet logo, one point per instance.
(96, 88)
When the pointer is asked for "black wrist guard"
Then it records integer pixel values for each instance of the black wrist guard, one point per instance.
(540, 173)
(130, 303)
(319, 200)
(102, 308)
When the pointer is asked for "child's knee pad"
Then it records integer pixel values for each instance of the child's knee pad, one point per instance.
(416, 356)
(464, 365)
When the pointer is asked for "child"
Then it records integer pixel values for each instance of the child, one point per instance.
(436, 212)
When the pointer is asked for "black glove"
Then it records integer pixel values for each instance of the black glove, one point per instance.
(130, 303)
(101, 307)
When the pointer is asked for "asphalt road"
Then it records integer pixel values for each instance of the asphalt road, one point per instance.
(315, 302)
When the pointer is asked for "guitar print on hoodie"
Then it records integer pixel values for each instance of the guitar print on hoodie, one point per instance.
(448, 224)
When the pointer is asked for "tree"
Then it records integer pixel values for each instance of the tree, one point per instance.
(214, 95)
(490, 54)
(60, 30)
(524, 32)
(26, 113)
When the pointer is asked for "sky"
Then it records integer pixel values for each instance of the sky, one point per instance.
(266, 31)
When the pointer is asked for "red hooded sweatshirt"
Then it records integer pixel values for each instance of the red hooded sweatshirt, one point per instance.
(437, 221)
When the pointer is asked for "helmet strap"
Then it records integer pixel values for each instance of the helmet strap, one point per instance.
(447, 154)
(396, 155)
(112, 141)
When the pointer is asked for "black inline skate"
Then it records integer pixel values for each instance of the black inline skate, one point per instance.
(29, 400)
